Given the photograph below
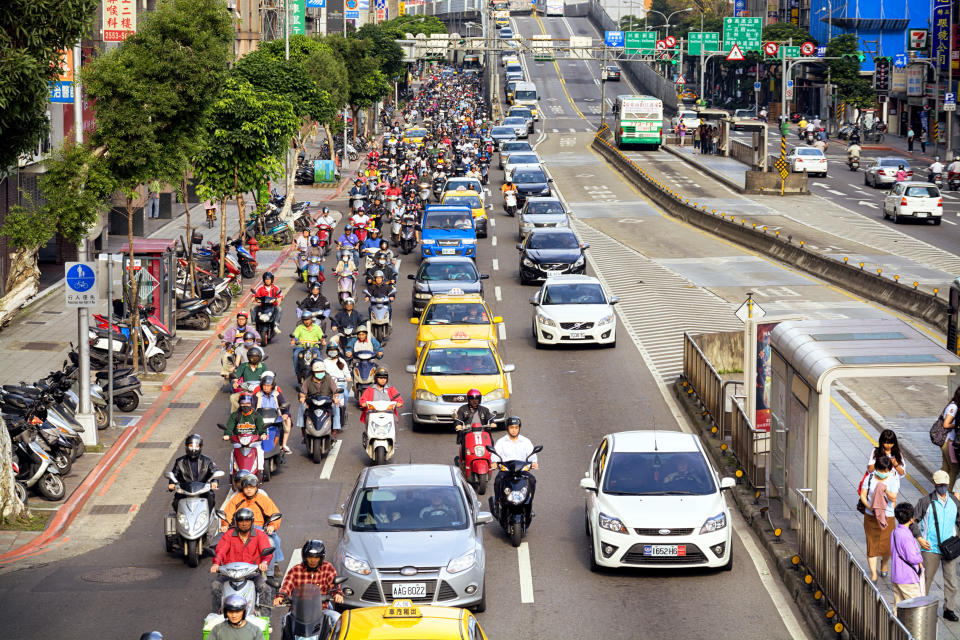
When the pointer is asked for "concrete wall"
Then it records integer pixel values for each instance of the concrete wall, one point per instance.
(769, 183)
(869, 285)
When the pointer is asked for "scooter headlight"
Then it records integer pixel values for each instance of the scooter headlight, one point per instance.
(264, 317)
(517, 497)
(182, 519)
(380, 430)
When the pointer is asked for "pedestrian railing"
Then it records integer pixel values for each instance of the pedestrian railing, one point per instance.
(750, 446)
(844, 584)
(706, 382)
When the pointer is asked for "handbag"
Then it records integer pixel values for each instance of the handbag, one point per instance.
(949, 548)
(862, 508)
(938, 435)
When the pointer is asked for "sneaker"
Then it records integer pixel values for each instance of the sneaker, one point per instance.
(287, 449)
(948, 614)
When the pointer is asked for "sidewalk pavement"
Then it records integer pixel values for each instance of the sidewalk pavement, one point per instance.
(38, 340)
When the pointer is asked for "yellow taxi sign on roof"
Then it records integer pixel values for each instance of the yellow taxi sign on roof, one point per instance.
(460, 335)
(402, 609)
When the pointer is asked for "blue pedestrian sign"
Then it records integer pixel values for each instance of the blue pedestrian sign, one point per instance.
(821, 51)
(81, 280)
(900, 60)
(756, 86)
(613, 38)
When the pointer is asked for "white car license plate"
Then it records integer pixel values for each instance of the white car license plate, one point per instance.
(665, 550)
(447, 251)
(922, 214)
(577, 335)
(409, 590)
(553, 273)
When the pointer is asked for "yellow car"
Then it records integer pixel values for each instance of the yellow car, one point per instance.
(470, 199)
(463, 315)
(415, 136)
(447, 369)
(401, 620)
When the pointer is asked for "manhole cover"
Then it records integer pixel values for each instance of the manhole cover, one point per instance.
(121, 575)
(41, 346)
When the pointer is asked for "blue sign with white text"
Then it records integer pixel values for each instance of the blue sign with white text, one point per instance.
(317, 3)
(353, 15)
(613, 38)
(61, 91)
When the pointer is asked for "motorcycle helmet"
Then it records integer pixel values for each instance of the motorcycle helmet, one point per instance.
(315, 286)
(267, 377)
(325, 210)
(255, 355)
(245, 399)
(348, 302)
(317, 366)
(244, 514)
(268, 274)
(513, 420)
(234, 601)
(313, 549)
(194, 446)
(382, 373)
(378, 274)
(152, 635)
(474, 394)
(314, 241)
(362, 329)
(306, 315)
(250, 337)
(347, 228)
(243, 314)
(249, 480)
(333, 351)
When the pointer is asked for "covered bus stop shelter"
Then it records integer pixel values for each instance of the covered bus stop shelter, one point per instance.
(806, 358)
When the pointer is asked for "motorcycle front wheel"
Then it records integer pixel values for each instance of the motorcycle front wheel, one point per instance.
(516, 533)
(127, 402)
(102, 417)
(481, 483)
(380, 456)
(157, 362)
(247, 270)
(316, 451)
(164, 344)
(193, 553)
(51, 487)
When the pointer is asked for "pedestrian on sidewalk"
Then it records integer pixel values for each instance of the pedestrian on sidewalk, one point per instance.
(681, 131)
(937, 517)
(878, 502)
(906, 565)
(911, 134)
(153, 199)
(697, 133)
(888, 446)
(705, 140)
(923, 140)
(948, 452)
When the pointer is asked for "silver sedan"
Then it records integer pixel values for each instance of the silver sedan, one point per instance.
(412, 532)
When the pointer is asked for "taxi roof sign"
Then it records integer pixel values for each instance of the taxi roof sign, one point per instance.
(456, 291)
(460, 335)
(402, 609)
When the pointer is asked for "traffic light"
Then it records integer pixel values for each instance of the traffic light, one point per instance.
(674, 61)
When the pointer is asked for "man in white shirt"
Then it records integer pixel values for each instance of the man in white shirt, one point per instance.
(514, 446)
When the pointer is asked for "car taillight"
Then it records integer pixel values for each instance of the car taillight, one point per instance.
(940, 203)
(909, 173)
(903, 202)
(882, 172)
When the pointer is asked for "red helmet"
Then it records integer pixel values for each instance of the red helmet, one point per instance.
(474, 393)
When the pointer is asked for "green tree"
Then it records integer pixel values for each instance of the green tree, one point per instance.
(385, 48)
(852, 88)
(401, 26)
(32, 33)
(245, 139)
(367, 82)
(330, 73)
(152, 94)
(786, 31)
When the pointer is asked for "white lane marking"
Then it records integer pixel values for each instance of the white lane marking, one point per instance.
(493, 241)
(836, 193)
(596, 81)
(502, 330)
(572, 130)
(487, 190)
(498, 294)
(776, 589)
(526, 575)
(493, 222)
(864, 203)
(950, 222)
(331, 460)
(496, 264)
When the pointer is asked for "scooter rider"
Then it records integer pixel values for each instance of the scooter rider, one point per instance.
(312, 570)
(320, 384)
(954, 166)
(269, 396)
(194, 467)
(935, 168)
(363, 342)
(470, 414)
(270, 290)
(316, 303)
(242, 543)
(249, 371)
(235, 627)
(514, 446)
(238, 332)
(379, 391)
(305, 335)
(853, 151)
(326, 219)
(262, 506)
(246, 421)
(380, 289)
(338, 369)
(346, 317)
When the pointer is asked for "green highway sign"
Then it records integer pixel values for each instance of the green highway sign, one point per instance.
(708, 40)
(789, 52)
(639, 42)
(745, 32)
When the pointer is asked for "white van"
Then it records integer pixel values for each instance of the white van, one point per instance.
(525, 94)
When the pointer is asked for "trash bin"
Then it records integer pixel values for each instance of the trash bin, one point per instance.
(919, 616)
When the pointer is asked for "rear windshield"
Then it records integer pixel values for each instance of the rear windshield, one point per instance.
(529, 176)
(468, 201)
(416, 133)
(503, 131)
(893, 162)
(809, 152)
(544, 207)
(515, 120)
(922, 192)
(514, 66)
(458, 271)
(516, 146)
(524, 158)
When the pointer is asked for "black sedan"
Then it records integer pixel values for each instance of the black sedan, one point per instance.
(445, 274)
(611, 73)
(548, 252)
(503, 133)
(531, 181)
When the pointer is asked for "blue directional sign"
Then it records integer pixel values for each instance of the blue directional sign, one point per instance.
(738, 7)
(81, 279)
(353, 15)
(821, 51)
(900, 60)
(613, 38)
(756, 86)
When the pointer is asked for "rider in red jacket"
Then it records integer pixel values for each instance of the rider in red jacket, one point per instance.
(380, 391)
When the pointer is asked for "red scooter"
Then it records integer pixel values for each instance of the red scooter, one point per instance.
(246, 456)
(474, 459)
(324, 234)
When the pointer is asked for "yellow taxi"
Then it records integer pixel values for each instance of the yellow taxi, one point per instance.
(449, 315)
(472, 199)
(414, 135)
(447, 369)
(401, 620)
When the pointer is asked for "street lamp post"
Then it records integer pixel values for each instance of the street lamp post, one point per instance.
(666, 19)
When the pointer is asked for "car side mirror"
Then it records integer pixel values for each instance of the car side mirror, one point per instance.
(335, 520)
(484, 276)
(410, 276)
(497, 319)
(483, 517)
(519, 246)
(727, 483)
(414, 320)
(549, 179)
(509, 368)
(614, 300)
(585, 246)
(588, 484)
(411, 368)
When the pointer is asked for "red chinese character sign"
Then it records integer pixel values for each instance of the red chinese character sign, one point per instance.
(119, 19)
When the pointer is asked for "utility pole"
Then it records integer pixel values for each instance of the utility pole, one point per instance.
(603, 88)
(346, 157)
(950, 82)
(703, 46)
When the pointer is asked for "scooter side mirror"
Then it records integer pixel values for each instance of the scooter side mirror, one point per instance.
(491, 449)
(171, 477)
(223, 427)
(268, 551)
(216, 474)
(221, 514)
(274, 518)
(536, 449)
(335, 520)
(483, 517)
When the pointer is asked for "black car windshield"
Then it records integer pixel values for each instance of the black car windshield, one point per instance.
(525, 94)
(409, 509)
(658, 474)
(529, 176)
(457, 313)
(553, 241)
(460, 272)
(516, 145)
(534, 208)
(503, 131)
(524, 158)
(575, 293)
(447, 221)
(460, 362)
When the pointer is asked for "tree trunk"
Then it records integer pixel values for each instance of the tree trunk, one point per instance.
(356, 123)
(290, 173)
(189, 248)
(333, 152)
(134, 297)
(22, 283)
(240, 207)
(10, 507)
(223, 234)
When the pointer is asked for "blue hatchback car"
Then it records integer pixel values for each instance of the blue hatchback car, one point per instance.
(448, 230)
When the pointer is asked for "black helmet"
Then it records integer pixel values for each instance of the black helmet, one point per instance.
(194, 445)
(313, 549)
(315, 285)
(267, 274)
(381, 373)
(513, 420)
(248, 480)
(255, 352)
(250, 335)
(244, 514)
(235, 602)
(152, 635)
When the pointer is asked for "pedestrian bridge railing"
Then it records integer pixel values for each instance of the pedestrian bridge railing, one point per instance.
(860, 607)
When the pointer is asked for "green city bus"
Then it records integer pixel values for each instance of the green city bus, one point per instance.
(639, 121)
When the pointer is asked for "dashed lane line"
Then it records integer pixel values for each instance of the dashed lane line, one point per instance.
(526, 574)
(331, 460)
(498, 294)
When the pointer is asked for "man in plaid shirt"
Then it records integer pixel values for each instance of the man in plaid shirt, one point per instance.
(313, 570)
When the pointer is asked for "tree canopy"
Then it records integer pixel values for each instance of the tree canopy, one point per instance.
(852, 88)
(399, 27)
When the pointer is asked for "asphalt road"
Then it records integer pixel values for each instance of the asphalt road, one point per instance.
(568, 400)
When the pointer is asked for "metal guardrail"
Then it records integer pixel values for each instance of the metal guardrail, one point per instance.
(706, 382)
(844, 584)
(750, 446)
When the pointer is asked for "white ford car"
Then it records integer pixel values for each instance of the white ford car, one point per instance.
(654, 500)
